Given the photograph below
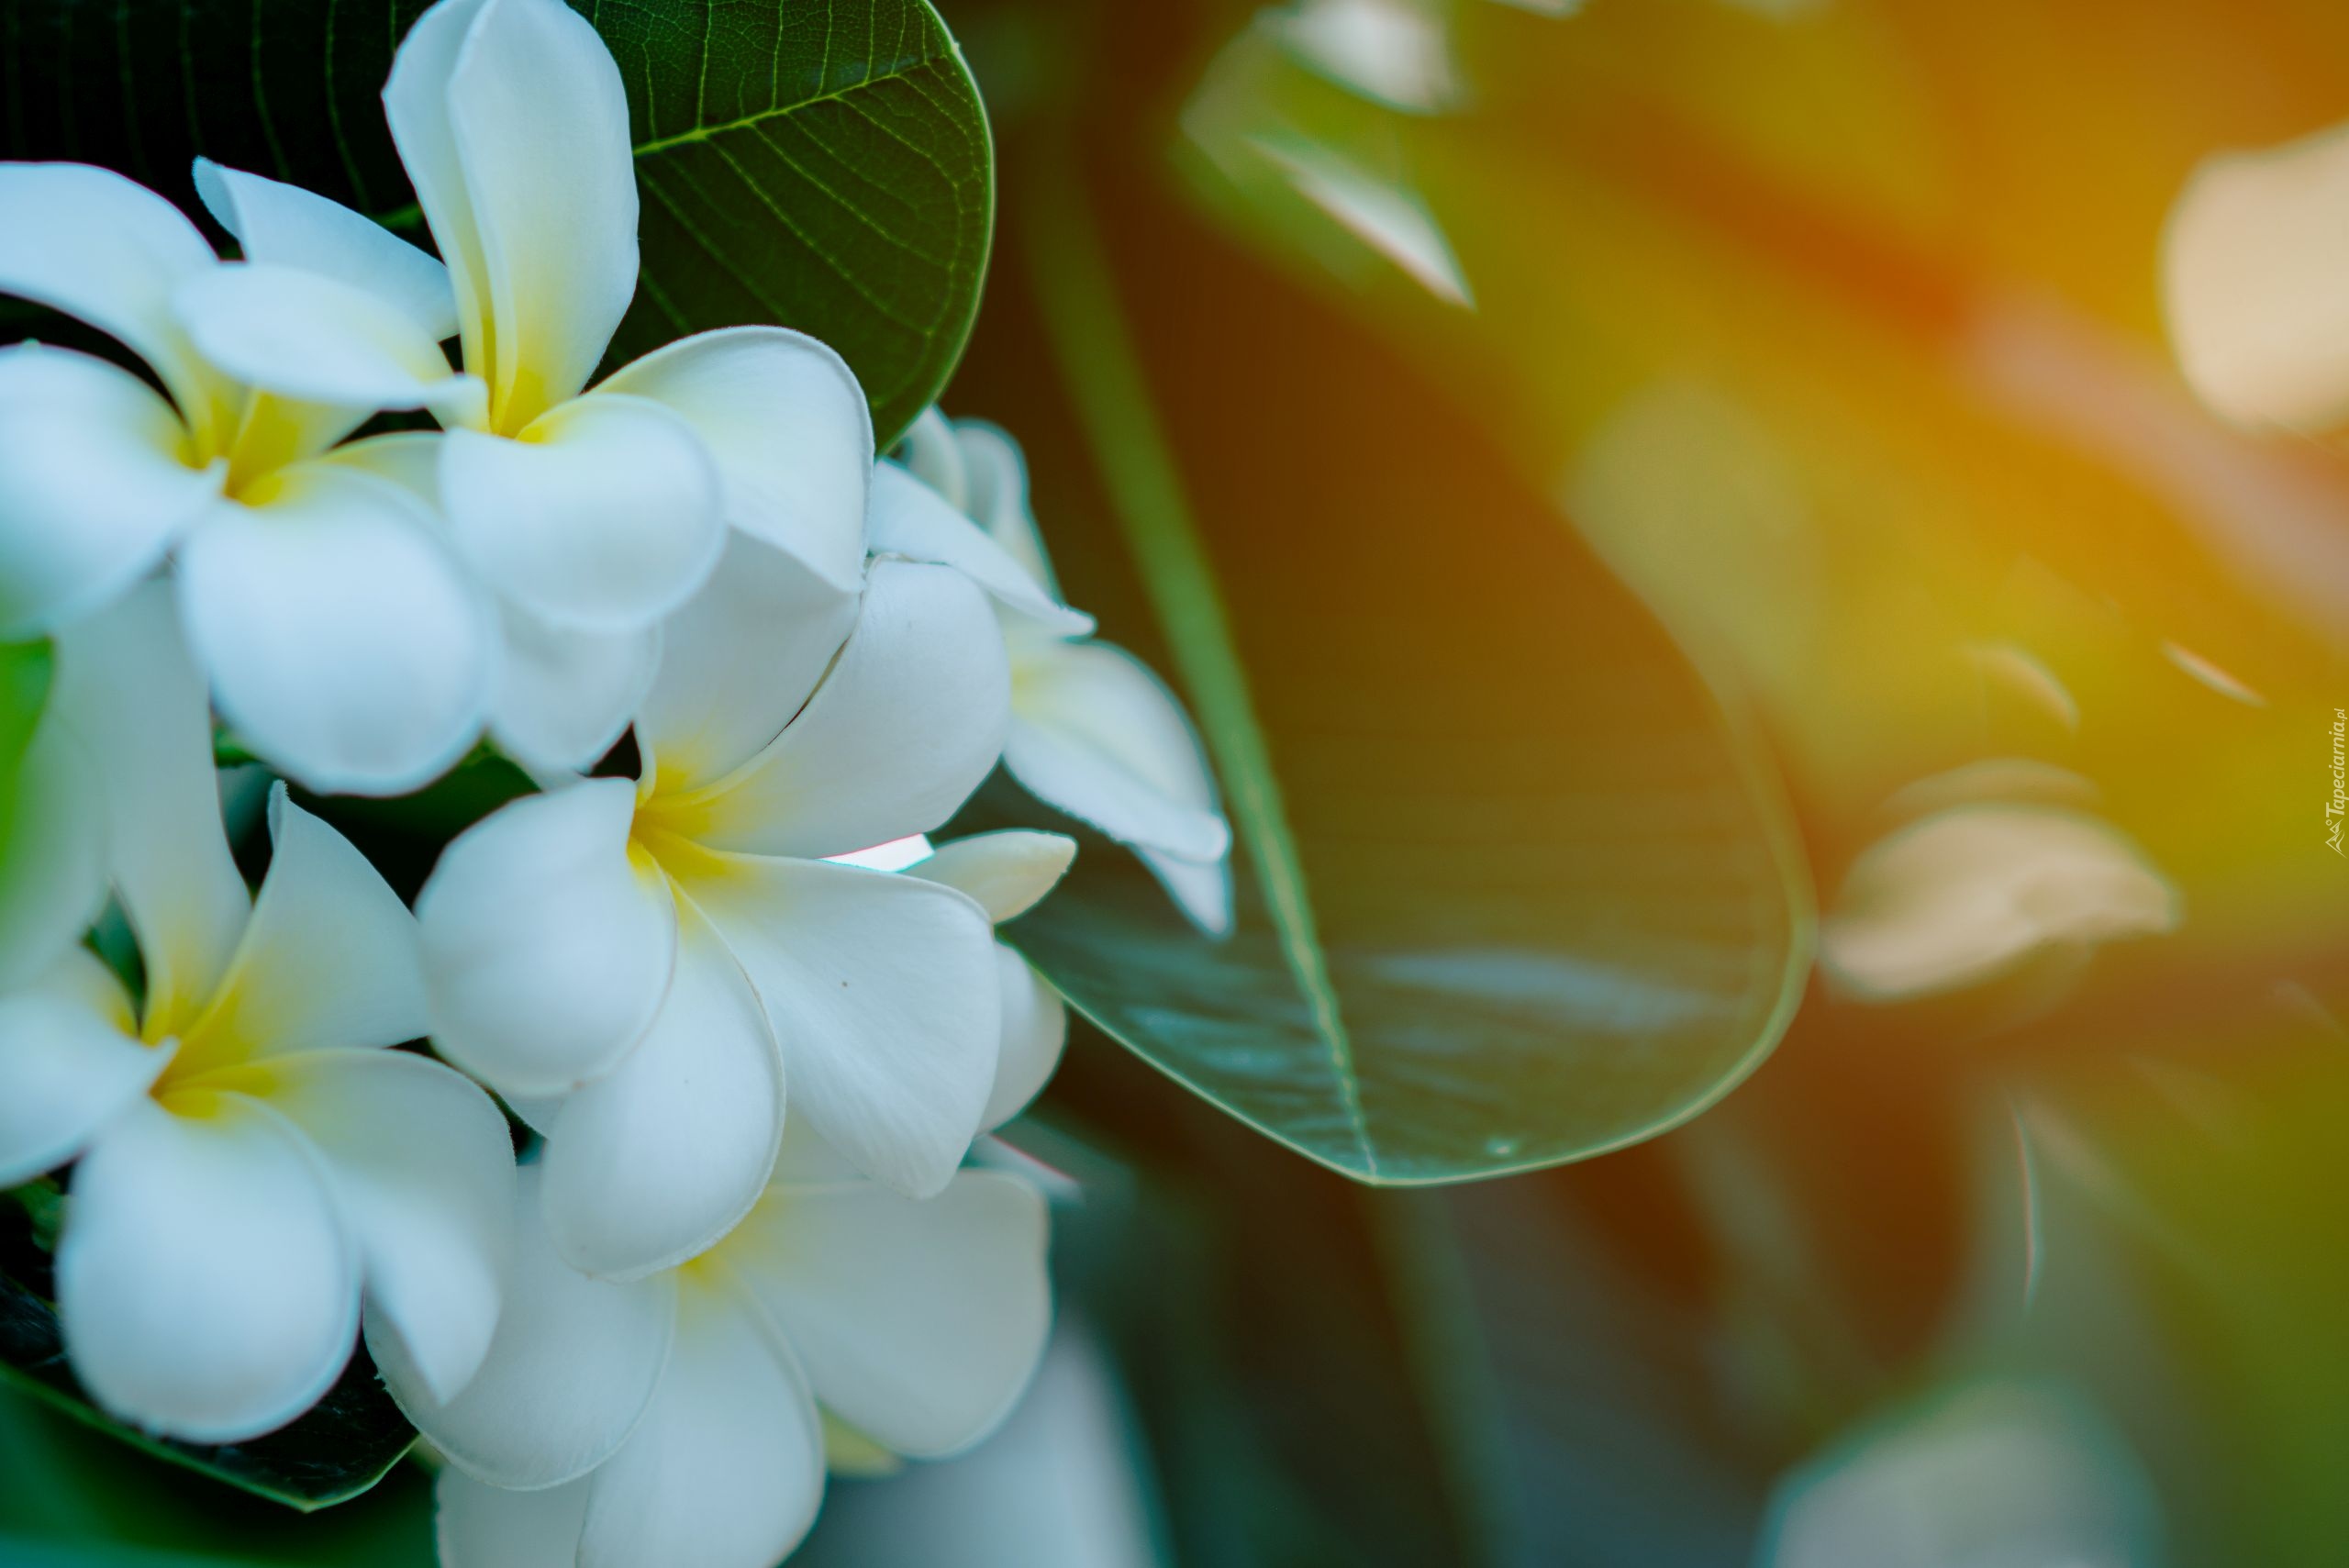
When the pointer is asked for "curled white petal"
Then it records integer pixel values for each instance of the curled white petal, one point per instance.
(727, 1468)
(919, 1322)
(480, 1526)
(787, 423)
(205, 1285)
(910, 519)
(547, 948)
(908, 722)
(738, 662)
(423, 1170)
(95, 485)
(882, 991)
(342, 640)
(1035, 1032)
(129, 692)
(604, 518)
(649, 1165)
(110, 252)
(569, 1371)
(287, 226)
(69, 1062)
(1097, 733)
(1007, 873)
(512, 120)
(306, 335)
(328, 959)
(560, 698)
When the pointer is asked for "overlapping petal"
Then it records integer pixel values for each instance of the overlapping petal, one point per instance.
(342, 640)
(1007, 873)
(285, 225)
(727, 1468)
(572, 1365)
(422, 1169)
(1035, 1032)
(737, 662)
(1096, 733)
(95, 484)
(560, 699)
(69, 1062)
(910, 519)
(547, 945)
(787, 423)
(328, 959)
(908, 722)
(919, 1322)
(651, 1165)
(110, 252)
(319, 339)
(881, 989)
(513, 124)
(127, 691)
(204, 1281)
(997, 477)
(604, 518)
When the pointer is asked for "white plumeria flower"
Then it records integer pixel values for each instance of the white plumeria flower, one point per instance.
(592, 516)
(252, 1164)
(1093, 731)
(1007, 874)
(342, 639)
(665, 954)
(682, 1417)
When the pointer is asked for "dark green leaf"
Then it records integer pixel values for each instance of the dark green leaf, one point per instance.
(823, 167)
(342, 1447)
(1512, 890)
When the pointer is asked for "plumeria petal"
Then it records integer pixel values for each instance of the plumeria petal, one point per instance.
(919, 1322)
(906, 725)
(480, 1526)
(127, 690)
(70, 1063)
(328, 959)
(423, 1169)
(997, 477)
(513, 123)
(316, 339)
(788, 426)
(1035, 1032)
(1096, 733)
(738, 662)
(605, 519)
(1201, 889)
(560, 698)
(649, 1166)
(881, 989)
(286, 226)
(110, 252)
(547, 947)
(727, 1468)
(52, 854)
(910, 519)
(95, 484)
(933, 455)
(343, 642)
(204, 1281)
(568, 1371)
(1006, 872)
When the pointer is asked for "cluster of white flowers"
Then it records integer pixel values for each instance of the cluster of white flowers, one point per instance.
(755, 1062)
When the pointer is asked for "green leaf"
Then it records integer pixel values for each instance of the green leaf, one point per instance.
(341, 1449)
(1512, 888)
(824, 168)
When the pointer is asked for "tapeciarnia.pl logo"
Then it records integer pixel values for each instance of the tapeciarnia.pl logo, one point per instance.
(2334, 807)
